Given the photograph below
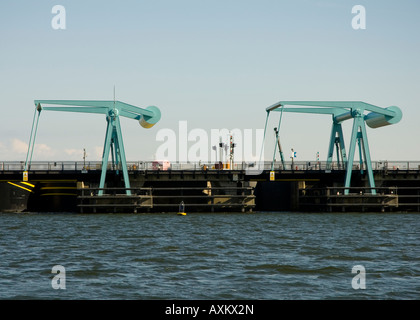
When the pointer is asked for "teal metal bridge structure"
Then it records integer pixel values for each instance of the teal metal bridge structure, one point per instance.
(113, 144)
(360, 112)
(363, 114)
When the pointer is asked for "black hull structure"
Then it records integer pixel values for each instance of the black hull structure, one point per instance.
(208, 191)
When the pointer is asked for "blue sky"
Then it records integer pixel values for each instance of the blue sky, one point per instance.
(215, 64)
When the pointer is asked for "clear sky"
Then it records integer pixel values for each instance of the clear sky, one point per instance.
(215, 64)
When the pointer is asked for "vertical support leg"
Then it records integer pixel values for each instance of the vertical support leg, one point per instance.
(262, 145)
(359, 142)
(367, 158)
(116, 153)
(122, 156)
(349, 170)
(112, 154)
(28, 165)
(281, 153)
(341, 142)
(331, 146)
(278, 142)
(30, 144)
(105, 155)
(274, 153)
(337, 150)
(361, 138)
(336, 140)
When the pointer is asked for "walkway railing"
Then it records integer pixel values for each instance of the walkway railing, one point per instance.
(153, 165)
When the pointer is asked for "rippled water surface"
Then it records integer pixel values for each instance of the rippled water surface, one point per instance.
(210, 256)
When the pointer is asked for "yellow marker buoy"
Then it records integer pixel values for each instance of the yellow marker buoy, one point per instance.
(181, 211)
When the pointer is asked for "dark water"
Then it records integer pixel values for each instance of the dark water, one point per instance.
(210, 256)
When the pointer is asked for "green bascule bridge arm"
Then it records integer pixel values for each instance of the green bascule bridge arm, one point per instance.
(113, 144)
(362, 113)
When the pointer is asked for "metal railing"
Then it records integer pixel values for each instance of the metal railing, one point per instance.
(153, 165)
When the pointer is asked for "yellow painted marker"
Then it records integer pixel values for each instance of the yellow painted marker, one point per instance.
(181, 211)
(16, 185)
